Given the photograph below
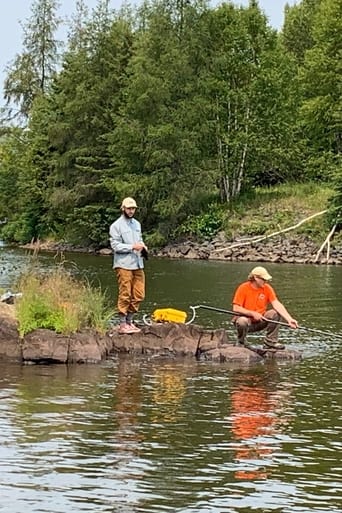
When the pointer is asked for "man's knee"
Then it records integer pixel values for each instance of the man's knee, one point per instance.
(272, 315)
(139, 296)
(242, 322)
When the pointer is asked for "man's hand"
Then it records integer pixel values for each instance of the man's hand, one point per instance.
(292, 323)
(138, 246)
(256, 316)
(242, 312)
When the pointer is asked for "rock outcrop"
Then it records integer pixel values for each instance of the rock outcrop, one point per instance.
(290, 250)
(158, 340)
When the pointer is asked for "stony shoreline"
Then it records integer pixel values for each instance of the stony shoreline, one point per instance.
(300, 250)
(297, 249)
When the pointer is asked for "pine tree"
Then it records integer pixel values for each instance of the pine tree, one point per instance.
(82, 103)
(31, 72)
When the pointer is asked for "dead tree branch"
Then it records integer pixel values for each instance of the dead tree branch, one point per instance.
(253, 240)
(326, 243)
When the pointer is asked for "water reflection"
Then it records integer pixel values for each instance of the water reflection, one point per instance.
(168, 391)
(128, 394)
(144, 435)
(149, 435)
(257, 418)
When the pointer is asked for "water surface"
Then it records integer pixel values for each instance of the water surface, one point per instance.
(154, 435)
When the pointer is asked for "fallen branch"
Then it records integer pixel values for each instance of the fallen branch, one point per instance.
(326, 243)
(238, 244)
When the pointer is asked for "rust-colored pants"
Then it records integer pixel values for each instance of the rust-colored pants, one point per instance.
(131, 289)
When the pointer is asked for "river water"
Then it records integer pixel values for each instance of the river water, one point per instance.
(151, 435)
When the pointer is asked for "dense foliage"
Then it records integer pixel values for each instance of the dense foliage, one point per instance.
(187, 108)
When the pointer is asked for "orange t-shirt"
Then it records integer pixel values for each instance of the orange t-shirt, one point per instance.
(254, 299)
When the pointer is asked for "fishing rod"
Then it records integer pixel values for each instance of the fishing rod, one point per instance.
(329, 333)
(230, 312)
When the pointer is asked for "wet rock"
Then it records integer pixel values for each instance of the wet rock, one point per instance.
(231, 353)
(88, 347)
(10, 349)
(181, 340)
(45, 346)
(159, 339)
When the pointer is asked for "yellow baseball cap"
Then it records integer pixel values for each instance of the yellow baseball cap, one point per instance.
(260, 272)
(128, 203)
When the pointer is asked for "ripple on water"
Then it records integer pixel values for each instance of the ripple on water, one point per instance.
(153, 437)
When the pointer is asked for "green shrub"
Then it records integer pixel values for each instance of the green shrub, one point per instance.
(59, 302)
(257, 227)
(154, 239)
(203, 226)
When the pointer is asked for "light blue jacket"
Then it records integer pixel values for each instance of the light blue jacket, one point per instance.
(123, 234)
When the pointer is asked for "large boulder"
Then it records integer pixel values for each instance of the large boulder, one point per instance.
(46, 346)
(172, 339)
(88, 347)
(158, 339)
(10, 349)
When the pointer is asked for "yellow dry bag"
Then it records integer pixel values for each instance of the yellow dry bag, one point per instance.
(169, 315)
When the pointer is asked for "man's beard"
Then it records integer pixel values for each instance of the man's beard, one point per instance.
(128, 216)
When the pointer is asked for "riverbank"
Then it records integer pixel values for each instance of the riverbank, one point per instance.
(283, 248)
(294, 250)
(284, 224)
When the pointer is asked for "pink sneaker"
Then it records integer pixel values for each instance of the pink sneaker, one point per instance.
(134, 328)
(126, 329)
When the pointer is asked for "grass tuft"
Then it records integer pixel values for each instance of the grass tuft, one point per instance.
(59, 302)
(276, 208)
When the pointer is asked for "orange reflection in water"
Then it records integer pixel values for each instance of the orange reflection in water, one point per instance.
(257, 411)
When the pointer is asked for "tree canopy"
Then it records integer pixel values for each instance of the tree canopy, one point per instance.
(183, 106)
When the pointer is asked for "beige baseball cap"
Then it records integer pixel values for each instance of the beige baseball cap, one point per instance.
(128, 203)
(260, 272)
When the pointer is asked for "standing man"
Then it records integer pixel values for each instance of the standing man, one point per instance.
(251, 300)
(128, 246)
